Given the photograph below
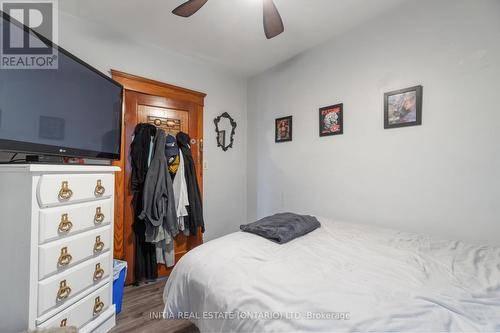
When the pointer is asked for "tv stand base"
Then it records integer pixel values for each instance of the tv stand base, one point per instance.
(44, 159)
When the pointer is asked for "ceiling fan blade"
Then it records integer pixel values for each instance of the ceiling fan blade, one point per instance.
(273, 24)
(189, 7)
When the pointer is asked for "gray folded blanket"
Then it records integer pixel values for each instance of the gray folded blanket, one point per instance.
(282, 228)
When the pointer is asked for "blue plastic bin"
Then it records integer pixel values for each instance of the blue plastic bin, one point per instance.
(119, 273)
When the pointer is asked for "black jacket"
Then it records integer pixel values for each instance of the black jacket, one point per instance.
(139, 152)
(195, 208)
(145, 267)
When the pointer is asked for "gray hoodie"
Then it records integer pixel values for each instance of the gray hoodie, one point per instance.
(158, 199)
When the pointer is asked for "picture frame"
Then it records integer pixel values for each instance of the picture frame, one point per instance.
(225, 127)
(403, 108)
(331, 120)
(283, 128)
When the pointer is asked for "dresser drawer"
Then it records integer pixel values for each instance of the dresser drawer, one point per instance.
(66, 188)
(83, 311)
(56, 290)
(68, 220)
(61, 254)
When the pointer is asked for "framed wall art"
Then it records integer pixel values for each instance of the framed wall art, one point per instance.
(225, 127)
(403, 107)
(283, 129)
(331, 120)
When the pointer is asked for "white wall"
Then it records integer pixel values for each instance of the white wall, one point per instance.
(441, 178)
(225, 178)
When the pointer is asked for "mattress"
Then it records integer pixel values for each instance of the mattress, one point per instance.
(339, 278)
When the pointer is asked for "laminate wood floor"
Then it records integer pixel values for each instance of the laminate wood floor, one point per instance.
(139, 303)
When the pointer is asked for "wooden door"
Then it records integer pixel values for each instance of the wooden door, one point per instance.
(173, 109)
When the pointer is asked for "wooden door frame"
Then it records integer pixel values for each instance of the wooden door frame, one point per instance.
(151, 87)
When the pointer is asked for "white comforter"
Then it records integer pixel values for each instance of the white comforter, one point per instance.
(341, 277)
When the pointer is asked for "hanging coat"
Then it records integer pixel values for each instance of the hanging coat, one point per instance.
(159, 203)
(181, 193)
(195, 209)
(145, 267)
(159, 209)
(139, 151)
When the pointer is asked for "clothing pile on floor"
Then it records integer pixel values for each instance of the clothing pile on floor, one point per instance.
(167, 197)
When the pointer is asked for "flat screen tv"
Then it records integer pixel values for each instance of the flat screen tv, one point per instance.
(71, 111)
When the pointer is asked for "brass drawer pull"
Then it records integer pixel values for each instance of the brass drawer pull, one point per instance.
(98, 246)
(98, 305)
(64, 258)
(99, 217)
(99, 189)
(64, 291)
(65, 225)
(99, 272)
(63, 322)
(65, 193)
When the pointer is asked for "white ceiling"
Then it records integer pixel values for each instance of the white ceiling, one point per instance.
(229, 33)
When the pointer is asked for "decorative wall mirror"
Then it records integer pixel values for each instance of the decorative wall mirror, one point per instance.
(225, 127)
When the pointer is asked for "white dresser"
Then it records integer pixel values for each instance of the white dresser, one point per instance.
(56, 247)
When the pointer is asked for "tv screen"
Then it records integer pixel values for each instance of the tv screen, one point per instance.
(72, 111)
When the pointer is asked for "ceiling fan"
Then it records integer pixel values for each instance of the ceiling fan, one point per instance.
(273, 25)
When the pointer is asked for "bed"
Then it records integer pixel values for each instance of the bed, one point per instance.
(340, 277)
